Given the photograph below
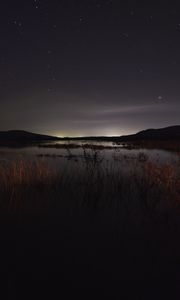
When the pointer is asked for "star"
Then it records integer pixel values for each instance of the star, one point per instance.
(36, 4)
(126, 35)
(17, 23)
(160, 97)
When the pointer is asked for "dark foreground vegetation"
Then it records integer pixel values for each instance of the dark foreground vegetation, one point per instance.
(92, 233)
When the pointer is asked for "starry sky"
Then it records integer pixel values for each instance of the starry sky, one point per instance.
(89, 67)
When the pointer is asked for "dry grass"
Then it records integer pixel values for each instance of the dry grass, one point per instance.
(165, 176)
(24, 184)
(21, 172)
(147, 189)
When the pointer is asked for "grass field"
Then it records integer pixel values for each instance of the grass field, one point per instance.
(91, 232)
(147, 188)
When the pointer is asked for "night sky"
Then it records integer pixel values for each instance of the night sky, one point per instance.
(98, 67)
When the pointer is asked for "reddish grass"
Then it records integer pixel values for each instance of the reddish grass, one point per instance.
(35, 184)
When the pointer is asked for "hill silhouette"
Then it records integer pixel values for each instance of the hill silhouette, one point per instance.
(167, 133)
(162, 134)
(23, 136)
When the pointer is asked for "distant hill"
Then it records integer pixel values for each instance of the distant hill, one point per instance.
(23, 136)
(171, 133)
(168, 133)
(162, 134)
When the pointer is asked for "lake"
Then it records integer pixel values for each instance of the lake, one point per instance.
(68, 154)
(85, 221)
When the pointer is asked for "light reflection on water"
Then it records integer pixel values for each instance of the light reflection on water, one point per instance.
(74, 158)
